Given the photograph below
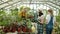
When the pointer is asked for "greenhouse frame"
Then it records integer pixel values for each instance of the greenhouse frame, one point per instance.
(9, 10)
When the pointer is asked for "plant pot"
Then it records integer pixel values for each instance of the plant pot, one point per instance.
(19, 30)
(24, 29)
(13, 29)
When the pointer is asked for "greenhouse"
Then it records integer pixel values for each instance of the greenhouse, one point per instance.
(29, 16)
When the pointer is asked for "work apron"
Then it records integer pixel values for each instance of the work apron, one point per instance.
(49, 26)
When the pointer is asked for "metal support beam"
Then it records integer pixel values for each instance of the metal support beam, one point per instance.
(55, 3)
(5, 2)
(34, 3)
(10, 4)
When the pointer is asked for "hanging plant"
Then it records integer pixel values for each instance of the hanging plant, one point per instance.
(30, 14)
(21, 8)
(14, 12)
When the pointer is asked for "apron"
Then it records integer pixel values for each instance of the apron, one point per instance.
(49, 26)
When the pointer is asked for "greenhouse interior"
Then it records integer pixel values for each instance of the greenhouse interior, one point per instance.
(29, 16)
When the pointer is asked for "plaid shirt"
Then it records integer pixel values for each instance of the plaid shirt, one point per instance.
(40, 28)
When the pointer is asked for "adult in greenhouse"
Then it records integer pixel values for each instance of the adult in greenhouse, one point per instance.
(40, 22)
(50, 19)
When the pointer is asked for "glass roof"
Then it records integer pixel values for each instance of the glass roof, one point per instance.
(33, 4)
(11, 3)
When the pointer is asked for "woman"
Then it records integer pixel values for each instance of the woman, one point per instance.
(49, 22)
(40, 22)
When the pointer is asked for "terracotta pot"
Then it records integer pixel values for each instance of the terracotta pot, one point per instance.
(13, 29)
(19, 30)
(24, 29)
(5, 29)
(28, 30)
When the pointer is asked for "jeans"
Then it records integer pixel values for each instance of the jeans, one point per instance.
(49, 30)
